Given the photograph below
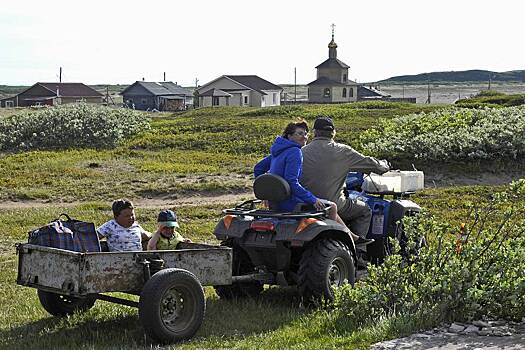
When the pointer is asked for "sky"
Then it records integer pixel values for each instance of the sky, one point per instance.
(119, 42)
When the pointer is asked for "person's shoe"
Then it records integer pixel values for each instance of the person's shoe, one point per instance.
(364, 241)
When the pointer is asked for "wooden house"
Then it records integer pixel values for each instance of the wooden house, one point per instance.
(163, 96)
(52, 94)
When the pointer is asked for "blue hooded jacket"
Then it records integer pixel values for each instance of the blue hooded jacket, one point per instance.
(286, 160)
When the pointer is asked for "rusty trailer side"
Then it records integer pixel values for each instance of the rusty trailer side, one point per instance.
(75, 273)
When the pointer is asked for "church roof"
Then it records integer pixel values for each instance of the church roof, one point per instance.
(327, 81)
(333, 63)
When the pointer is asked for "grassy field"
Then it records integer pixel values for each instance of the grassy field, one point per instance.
(202, 151)
(275, 320)
(207, 151)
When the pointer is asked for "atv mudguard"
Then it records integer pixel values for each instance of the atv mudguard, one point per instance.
(285, 231)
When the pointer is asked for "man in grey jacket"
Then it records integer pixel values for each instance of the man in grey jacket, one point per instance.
(325, 166)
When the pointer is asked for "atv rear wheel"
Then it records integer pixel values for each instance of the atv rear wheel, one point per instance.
(325, 264)
(241, 265)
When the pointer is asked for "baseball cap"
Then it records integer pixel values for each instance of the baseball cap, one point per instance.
(324, 123)
(168, 218)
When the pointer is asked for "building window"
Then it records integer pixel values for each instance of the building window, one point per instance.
(215, 101)
(275, 98)
(9, 104)
(245, 100)
(344, 78)
(351, 92)
(144, 101)
(326, 92)
(344, 92)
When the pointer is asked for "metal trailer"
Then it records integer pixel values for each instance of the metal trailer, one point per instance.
(171, 303)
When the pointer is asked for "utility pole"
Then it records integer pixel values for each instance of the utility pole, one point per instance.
(295, 85)
(490, 78)
(164, 76)
(428, 91)
(403, 90)
(108, 97)
(60, 76)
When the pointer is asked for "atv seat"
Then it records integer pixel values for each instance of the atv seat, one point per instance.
(272, 188)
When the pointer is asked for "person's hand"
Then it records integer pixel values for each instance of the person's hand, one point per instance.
(318, 205)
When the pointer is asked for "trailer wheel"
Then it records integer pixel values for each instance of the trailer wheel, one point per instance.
(63, 305)
(325, 264)
(241, 264)
(172, 305)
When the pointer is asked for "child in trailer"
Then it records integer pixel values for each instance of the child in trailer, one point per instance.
(123, 232)
(166, 237)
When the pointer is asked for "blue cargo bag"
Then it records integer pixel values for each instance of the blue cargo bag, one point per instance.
(70, 234)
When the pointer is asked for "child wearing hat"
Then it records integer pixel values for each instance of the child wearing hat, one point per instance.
(166, 238)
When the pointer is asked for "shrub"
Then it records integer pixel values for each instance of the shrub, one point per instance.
(450, 134)
(490, 98)
(70, 126)
(476, 272)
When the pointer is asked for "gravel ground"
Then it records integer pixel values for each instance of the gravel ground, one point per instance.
(458, 336)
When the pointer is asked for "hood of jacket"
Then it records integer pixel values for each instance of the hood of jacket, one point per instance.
(281, 144)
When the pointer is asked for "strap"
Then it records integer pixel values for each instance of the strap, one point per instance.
(64, 214)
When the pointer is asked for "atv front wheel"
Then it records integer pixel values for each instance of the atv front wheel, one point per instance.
(325, 264)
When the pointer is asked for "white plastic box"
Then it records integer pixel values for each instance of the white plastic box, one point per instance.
(394, 182)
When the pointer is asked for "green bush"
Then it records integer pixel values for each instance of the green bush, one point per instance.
(471, 271)
(490, 98)
(450, 134)
(486, 93)
(70, 126)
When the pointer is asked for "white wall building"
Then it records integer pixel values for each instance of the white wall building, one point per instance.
(239, 90)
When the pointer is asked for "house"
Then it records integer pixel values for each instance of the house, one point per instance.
(332, 84)
(163, 96)
(239, 90)
(52, 94)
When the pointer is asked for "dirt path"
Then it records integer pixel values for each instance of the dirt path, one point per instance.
(142, 202)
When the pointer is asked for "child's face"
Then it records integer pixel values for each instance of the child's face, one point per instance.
(166, 231)
(126, 218)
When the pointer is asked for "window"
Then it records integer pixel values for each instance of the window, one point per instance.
(263, 99)
(326, 92)
(344, 92)
(245, 100)
(9, 104)
(344, 78)
(275, 98)
(215, 101)
(351, 92)
(144, 101)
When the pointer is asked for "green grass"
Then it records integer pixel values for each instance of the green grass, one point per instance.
(172, 159)
(276, 320)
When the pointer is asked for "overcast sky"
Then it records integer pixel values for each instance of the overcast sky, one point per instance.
(109, 41)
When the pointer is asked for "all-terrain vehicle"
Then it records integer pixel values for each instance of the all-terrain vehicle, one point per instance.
(388, 197)
(304, 247)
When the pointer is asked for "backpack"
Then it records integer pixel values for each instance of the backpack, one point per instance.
(70, 234)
